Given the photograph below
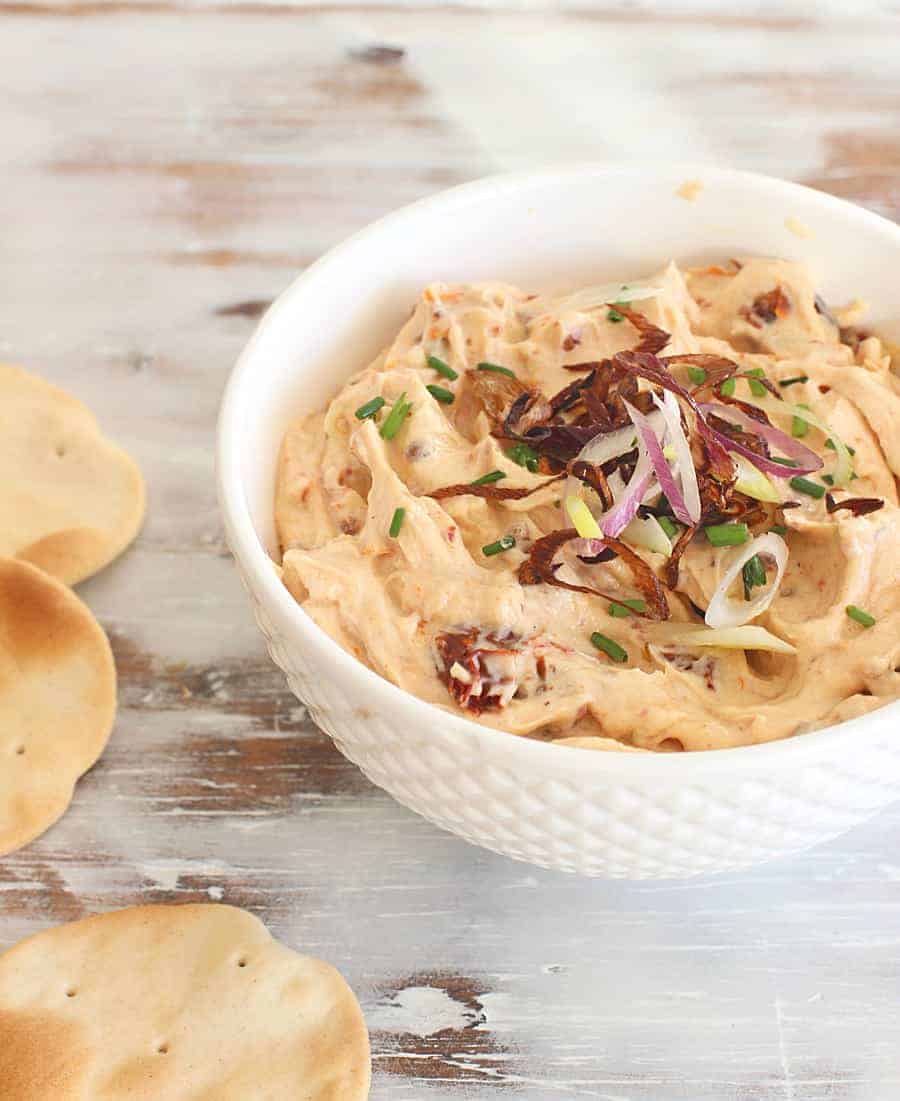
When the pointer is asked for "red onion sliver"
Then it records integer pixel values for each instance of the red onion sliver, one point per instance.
(663, 472)
(807, 460)
(614, 522)
(690, 490)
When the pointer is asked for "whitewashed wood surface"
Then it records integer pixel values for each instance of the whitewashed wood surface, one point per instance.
(165, 171)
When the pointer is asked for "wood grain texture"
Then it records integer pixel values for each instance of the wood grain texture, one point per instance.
(166, 169)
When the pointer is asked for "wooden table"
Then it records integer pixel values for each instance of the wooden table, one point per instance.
(166, 171)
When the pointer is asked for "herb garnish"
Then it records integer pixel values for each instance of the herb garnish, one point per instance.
(754, 574)
(395, 418)
(811, 489)
(525, 456)
(486, 479)
(728, 535)
(446, 397)
(860, 616)
(622, 608)
(697, 375)
(496, 368)
(442, 368)
(786, 382)
(370, 408)
(396, 522)
(610, 648)
(504, 543)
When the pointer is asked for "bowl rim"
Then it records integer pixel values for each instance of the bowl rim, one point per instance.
(257, 566)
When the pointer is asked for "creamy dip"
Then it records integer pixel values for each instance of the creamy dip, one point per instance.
(401, 541)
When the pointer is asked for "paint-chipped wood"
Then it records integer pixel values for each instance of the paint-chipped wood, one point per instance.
(167, 168)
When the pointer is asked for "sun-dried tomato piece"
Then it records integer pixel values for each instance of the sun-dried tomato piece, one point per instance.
(772, 305)
(479, 667)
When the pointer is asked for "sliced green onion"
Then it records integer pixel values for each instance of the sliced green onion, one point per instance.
(783, 461)
(728, 535)
(370, 408)
(799, 427)
(752, 482)
(583, 519)
(804, 485)
(610, 648)
(697, 375)
(727, 388)
(669, 526)
(504, 543)
(496, 368)
(786, 382)
(442, 368)
(779, 529)
(756, 388)
(754, 575)
(525, 456)
(486, 479)
(446, 397)
(622, 608)
(396, 522)
(395, 418)
(827, 479)
(860, 616)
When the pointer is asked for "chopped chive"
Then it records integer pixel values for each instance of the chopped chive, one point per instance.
(623, 608)
(756, 388)
(829, 443)
(668, 525)
(860, 616)
(615, 316)
(697, 375)
(804, 485)
(486, 479)
(496, 368)
(727, 388)
(828, 479)
(728, 535)
(779, 529)
(442, 368)
(785, 382)
(782, 461)
(446, 397)
(504, 543)
(610, 648)
(525, 456)
(754, 574)
(799, 427)
(396, 522)
(369, 409)
(395, 418)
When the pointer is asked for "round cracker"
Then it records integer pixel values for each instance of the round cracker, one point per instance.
(57, 699)
(70, 500)
(172, 1003)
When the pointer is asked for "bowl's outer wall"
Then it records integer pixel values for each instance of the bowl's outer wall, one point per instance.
(599, 814)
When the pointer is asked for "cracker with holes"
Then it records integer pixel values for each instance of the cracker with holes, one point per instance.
(176, 1003)
(57, 699)
(70, 500)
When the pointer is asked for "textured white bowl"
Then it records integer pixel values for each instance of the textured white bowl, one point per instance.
(609, 814)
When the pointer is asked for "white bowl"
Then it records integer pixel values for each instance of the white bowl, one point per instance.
(609, 814)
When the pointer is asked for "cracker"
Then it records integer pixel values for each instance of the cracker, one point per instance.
(176, 1003)
(70, 500)
(57, 699)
